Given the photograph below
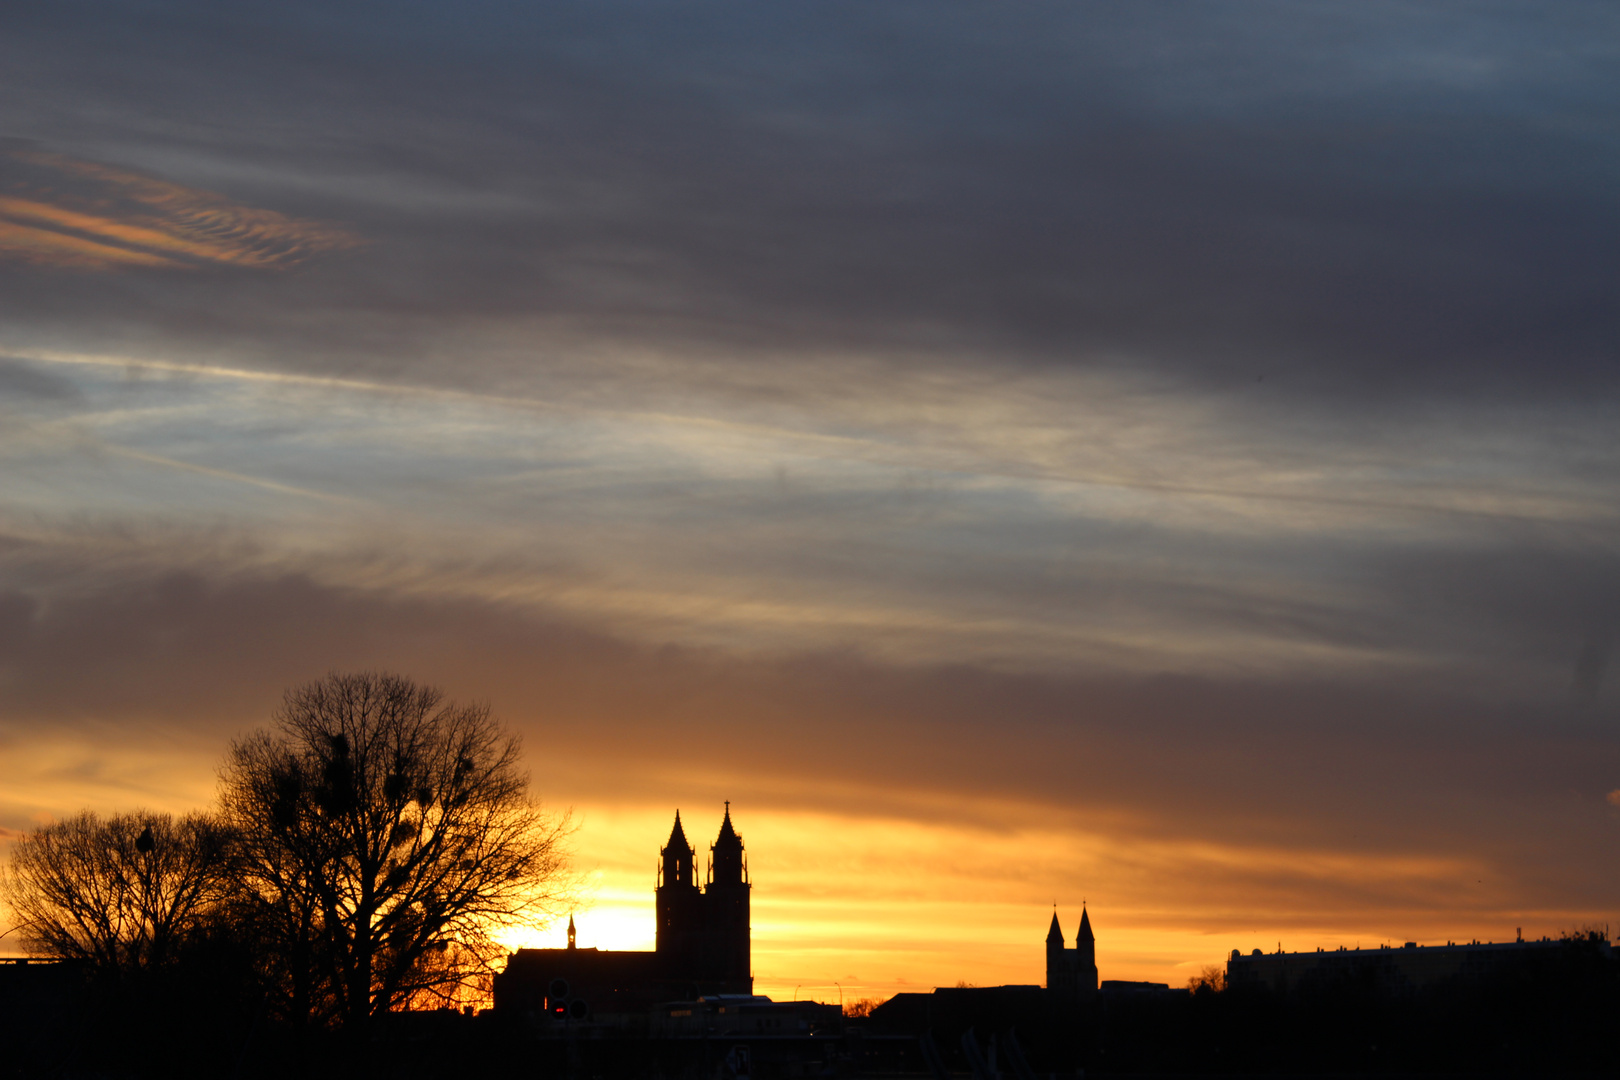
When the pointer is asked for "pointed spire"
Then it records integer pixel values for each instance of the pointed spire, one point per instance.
(1084, 933)
(726, 863)
(677, 856)
(677, 835)
(727, 833)
(1054, 936)
(570, 930)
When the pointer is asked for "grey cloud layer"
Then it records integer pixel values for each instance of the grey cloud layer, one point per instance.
(1345, 199)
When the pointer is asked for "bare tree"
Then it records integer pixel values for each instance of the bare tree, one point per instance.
(384, 836)
(120, 893)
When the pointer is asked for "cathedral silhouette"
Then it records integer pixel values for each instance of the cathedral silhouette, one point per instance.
(703, 944)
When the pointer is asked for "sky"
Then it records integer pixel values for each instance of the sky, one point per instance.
(1162, 457)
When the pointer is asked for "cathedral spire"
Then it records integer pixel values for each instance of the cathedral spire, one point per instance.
(1054, 936)
(570, 930)
(1084, 933)
(677, 835)
(727, 865)
(727, 833)
(678, 857)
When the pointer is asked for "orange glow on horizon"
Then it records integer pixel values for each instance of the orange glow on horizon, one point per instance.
(846, 906)
(869, 905)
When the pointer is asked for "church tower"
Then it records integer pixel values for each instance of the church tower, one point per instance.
(1059, 972)
(1085, 960)
(726, 915)
(680, 914)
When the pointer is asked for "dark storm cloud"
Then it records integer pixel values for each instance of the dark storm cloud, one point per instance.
(1341, 198)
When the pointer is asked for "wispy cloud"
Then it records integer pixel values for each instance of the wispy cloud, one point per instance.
(1073, 518)
(1054, 431)
(222, 474)
(62, 212)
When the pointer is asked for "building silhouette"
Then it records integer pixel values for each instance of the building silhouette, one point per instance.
(704, 933)
(1072, 971)
(703, 944)
(1071, 981)
(1398, 970)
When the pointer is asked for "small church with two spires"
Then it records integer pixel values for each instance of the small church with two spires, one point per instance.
(1072, 971)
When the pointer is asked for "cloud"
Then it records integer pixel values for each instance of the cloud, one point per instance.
(1064, 522)
(19, 378)
(61, 212)
(186, 653)
(1367, 207)
(1592, 663)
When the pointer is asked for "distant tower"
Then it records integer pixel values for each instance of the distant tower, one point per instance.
(726, 912)
(680, 915)
(1059, 971)
(570, 931)
(1072, 972)
(1085, 958)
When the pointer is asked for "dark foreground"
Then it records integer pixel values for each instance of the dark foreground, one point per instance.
(1557, 1017)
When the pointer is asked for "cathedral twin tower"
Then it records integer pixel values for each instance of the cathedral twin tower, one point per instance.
(702, 948)
(705, 931)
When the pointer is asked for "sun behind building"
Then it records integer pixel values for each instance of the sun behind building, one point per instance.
(703, 944)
